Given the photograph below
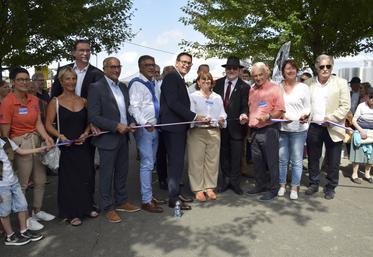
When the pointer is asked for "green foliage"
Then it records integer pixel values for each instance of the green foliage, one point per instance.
(256, 29)
(35, 32)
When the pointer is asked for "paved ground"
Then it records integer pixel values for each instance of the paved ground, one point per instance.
(231, 226)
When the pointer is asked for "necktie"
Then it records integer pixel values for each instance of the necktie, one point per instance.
(227, 94)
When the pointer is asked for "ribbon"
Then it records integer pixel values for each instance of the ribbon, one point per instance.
(327, 122)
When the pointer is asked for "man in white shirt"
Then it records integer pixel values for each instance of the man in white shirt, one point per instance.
(144, 107)
(330, 101)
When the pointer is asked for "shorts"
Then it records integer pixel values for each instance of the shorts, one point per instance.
(12, 199)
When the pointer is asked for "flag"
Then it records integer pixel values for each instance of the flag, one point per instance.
(282, 56)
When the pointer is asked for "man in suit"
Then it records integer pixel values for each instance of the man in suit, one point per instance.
(108, 103)
(175, 107)
(330, 101)
(86, 72)
(234, 92)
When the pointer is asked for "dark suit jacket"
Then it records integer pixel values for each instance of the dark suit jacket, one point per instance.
(175, 103)
(238, 104)
(93, 74)
(103, 112)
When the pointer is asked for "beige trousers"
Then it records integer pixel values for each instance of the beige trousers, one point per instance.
(203, 146)
(30, 166)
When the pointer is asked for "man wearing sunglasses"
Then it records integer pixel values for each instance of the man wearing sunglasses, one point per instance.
(330, 101)
(234, 92)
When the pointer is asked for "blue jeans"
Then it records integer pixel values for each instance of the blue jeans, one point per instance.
(291, 149)
(147, 143)
(12, 199)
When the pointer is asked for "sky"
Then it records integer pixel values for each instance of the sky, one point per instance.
(157, 25)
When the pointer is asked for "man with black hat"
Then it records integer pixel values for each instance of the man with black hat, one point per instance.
(234, 92)
(355, 93)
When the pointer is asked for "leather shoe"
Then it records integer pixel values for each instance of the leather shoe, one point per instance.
(237, 189)
(163, 185)
(185, 199)
(158, 201)
(268, 196)
(256, 190)
(312, 190)
(329, 195)
(151, 207)
(183, 206)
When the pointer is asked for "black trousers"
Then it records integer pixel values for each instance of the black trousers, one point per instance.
(230, 159)
(161, 162)
(265, 156)
(317, 136)
(175, 145)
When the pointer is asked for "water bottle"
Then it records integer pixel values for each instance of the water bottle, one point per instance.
(178, 212)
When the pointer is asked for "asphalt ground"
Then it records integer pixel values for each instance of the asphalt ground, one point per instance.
(230, 226)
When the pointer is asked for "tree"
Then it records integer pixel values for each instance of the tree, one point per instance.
(257, 28)
(35, 32)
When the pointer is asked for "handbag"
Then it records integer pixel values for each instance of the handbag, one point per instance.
(51, 159)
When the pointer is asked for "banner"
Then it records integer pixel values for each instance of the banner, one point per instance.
(282, 56)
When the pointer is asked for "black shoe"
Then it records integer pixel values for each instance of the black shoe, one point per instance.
(32, 235)
(185, 199)
(329, 195)
(183, 206)
(15, 240)
(356, 180)
(163, 185)
(237, 189)
(370, 179)
(256, 190)
(311, 190)
(268, 196)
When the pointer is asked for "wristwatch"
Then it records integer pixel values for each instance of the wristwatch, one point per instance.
(269, 116)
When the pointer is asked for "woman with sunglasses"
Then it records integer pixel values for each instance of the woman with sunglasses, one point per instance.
(362, 153)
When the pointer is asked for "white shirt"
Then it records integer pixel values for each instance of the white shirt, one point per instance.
(319, 98)
(9, 178)
(364, 111)
(297, 104)
(211, 107)
(79, 79)
(119, 98)
(141, 103)
(232, 86)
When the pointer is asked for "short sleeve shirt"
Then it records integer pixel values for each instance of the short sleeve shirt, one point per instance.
(264, 100)
(21, 117)
(9, 178)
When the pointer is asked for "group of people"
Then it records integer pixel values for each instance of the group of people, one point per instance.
(210, 123)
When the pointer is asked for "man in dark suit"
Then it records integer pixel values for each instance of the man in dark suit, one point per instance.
(175, 107)
(108, 102)
(86, 73)
(234, 92)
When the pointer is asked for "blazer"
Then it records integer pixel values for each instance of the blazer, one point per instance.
(338, 105)
(238, 104)
(103, 112)
(93, 74)
(175, 103)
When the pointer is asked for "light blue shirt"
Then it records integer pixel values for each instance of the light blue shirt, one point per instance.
(119, 98)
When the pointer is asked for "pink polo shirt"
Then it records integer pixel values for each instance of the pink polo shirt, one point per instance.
(264, 100)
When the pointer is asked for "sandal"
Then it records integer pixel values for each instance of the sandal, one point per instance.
(93, 214)
(76, 222)
(211, 194)
(200, 196)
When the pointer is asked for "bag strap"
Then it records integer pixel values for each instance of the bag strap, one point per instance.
(58, 119)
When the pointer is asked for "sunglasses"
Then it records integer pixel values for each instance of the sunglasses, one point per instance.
(325, 66)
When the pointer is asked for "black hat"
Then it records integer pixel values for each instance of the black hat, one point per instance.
(355, 80)
(233, 61)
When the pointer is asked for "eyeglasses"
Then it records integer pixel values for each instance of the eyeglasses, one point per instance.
(84, 51)
(186, 63)
(20, 80)
(328, 66)
(231, 68)
(114, 67)
(40, 80)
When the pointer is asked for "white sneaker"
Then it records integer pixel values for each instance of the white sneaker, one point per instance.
(281, 191)
(42, 215)
(33, 224)
(293, 195)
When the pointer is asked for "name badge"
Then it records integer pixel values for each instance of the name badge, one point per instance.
(262, 104)
(209, 102)
(22, 110)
